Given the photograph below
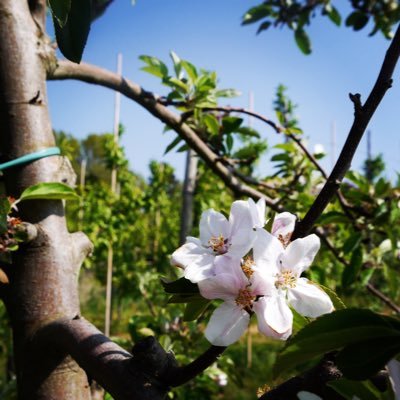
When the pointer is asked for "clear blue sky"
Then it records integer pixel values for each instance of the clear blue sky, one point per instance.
(208, 33)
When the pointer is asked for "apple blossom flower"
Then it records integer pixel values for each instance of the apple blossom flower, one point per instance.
(285, 264)
(245, 291)
(220, 239)
(283, 227)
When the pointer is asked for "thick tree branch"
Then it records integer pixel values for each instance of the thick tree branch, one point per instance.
(362, 116)
(147, 373)
(98, 76)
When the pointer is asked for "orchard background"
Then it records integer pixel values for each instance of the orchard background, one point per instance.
(135, 221)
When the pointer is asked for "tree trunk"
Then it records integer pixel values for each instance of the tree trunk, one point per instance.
(189, 186)
(44, 274)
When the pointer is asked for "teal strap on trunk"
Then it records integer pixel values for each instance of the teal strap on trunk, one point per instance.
(37, 155)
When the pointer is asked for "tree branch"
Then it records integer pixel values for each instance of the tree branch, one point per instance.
(362, 116)
(98, 76)
(146, 374)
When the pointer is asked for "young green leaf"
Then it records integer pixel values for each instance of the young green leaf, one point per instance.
(195, 309)
(303, 41)
(350, 389)
(212, 124)
(5, 208)
(154, 66)
(173, 144)
(331, 332)
(180, 286)
(49, 191)
(72, 36)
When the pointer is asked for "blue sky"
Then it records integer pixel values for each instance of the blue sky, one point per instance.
(208, 33)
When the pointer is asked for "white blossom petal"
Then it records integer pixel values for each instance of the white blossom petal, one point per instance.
(283, 224)
(263, 284)
(241, 242)
(266, 251)
(227, 324)
(195, 259)
(222, 286)
(257, 212)
(213, 224)
(300, 253)
(308, 299)
(239, 217)
(274, 317)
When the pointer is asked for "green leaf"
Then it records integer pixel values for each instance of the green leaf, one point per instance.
(357, 20)
(247, 131)
(303, 41)
(177, 64)
(364, 359)
(352, 243)
(181, 286)
(334, 16)
(184, 298)
(60, 10)
(195, 309)
(190, 70)
(72, 36)
(228, 93)
(350, 389)
(229, 142)
(5, 209)
(183, 148)
(351, 271)
(330, 332)
(256, 13)
(173, 144)
(154, 66)
(332, 217)
(231, 124)
(264, 26)
(212, 124)
(178, 84)
(49, 191)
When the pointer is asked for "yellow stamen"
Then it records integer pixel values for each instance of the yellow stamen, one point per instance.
(285, 240)
(247, 266)
(218, 244)
(285, 280)
(262, 390)
(245, 298)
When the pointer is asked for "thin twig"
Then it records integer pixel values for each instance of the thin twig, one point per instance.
(99, 76)
(362, 116)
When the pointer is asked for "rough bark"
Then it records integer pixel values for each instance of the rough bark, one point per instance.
(43, 279)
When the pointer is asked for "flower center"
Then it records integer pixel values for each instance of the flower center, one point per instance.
(286, 280)
(285, 240)
(247, 266)
(218, 244)
(245, 298)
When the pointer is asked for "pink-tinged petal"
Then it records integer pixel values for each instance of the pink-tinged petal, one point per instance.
(283, 224)
(213, 224)
(274, 314)
(263, 284)
(309, 300)
(241, 242)
(240, 217)
(300, 253)
(227, 324)
(393, 367)
(230, 265)
(266, 251)
(223, 286)
(257, 212)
